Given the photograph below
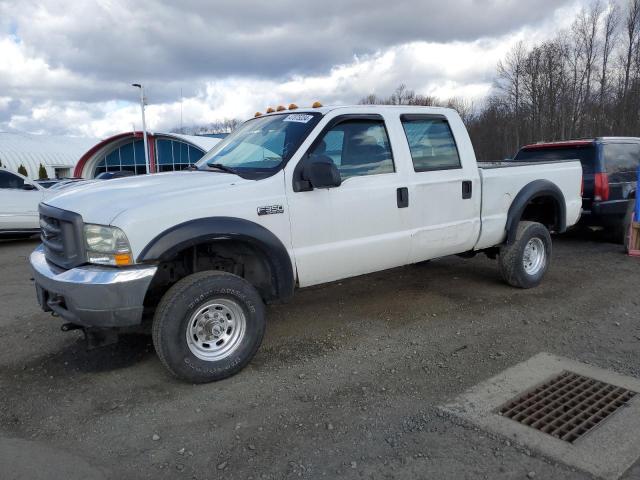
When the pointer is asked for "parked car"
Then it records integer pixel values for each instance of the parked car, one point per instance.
(609, 166)
(19, 199)
(290, 199)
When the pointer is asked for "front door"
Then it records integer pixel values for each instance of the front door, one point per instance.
(360, 226)
(18, 203)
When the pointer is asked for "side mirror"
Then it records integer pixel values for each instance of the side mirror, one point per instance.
(322, 173)
(28, 186)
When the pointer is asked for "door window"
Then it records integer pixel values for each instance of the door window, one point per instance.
(9, 180)
(357, 147)
(431, 143)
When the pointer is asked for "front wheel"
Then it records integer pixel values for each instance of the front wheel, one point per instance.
(208, 326)
(525, 261)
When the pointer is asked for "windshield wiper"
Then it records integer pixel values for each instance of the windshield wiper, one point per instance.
(223, 168)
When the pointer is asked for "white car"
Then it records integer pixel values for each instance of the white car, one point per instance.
(290, 199)
(19, 199)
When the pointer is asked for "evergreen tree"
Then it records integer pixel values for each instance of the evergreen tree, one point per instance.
(42, 172)
(22, 170)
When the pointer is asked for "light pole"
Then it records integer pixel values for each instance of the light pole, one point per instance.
(143, 102)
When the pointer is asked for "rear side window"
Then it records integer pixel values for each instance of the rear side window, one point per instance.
(9, 180)
(586, 154)
(431, 143)
(621, 157)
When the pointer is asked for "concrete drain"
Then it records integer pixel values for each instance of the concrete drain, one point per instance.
(583, 416)
(567, 406)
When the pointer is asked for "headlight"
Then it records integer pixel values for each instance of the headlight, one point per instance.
(107, 245)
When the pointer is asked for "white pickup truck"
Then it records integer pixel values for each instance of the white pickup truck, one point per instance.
(290, 199)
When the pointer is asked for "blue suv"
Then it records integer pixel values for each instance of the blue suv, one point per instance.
(609, 176)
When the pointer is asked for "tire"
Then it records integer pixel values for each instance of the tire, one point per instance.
(208, 326)
(626, 225)
(524, 263)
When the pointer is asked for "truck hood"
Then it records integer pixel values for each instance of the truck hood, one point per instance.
(100, 202)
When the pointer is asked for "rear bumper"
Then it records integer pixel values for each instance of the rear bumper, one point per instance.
(92, 295)
(602, 213)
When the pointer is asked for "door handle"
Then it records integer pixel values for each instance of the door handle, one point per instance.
(402, 195)
(467, 188)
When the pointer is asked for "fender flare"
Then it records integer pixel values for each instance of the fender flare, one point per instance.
(205, 230)
(531, 191)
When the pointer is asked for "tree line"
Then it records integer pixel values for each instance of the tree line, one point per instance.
(226, 125)
(584, 82)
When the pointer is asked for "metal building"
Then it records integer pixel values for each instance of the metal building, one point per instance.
(125, 151)
(58, 154)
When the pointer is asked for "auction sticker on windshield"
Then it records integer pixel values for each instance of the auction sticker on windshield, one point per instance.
(298, 117)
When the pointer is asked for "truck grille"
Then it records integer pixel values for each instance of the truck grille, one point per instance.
(61, 234)
(51, 235)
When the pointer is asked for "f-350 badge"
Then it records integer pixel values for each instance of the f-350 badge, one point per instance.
(270, 210)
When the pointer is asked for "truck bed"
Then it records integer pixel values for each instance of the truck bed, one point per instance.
(501, 182)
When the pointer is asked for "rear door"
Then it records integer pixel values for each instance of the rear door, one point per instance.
(360, 226)
(444, 191)
(18, 203)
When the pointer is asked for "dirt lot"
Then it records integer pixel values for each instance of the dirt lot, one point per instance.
(346, 384)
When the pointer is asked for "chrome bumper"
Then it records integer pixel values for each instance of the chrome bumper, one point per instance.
(92, 295)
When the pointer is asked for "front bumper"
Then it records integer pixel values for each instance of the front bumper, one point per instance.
(92, 295)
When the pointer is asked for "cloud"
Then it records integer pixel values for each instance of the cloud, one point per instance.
(164, 39)
(68, 66)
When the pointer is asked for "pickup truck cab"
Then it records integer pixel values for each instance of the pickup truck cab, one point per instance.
(290, 199)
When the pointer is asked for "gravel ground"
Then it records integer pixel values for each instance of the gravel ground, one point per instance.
(346, 384)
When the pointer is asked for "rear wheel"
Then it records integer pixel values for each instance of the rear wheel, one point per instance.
(524, 262)
(208, 326)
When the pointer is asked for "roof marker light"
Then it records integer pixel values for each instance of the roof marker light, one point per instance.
(316, 105)
(270, 110)
(280, 108)
(258, 114)
(292, 106)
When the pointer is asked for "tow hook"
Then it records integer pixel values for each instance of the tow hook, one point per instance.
(94, 337)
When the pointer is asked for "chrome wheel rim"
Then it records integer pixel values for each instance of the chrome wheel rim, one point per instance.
(216, 329)
(534, 257)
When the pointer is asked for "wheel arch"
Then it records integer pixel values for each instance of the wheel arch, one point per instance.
(547, 195)
(211, 230)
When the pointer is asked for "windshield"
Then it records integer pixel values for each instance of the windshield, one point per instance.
(260, 147)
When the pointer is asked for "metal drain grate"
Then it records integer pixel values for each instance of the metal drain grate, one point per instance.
(567, 406)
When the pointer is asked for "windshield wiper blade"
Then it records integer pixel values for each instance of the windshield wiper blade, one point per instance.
(223, 168)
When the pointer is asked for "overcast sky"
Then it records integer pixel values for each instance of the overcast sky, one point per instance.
(66, 66)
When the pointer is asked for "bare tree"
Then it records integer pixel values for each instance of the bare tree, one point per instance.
(509, 81)
(611, 20)
(632, 31)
